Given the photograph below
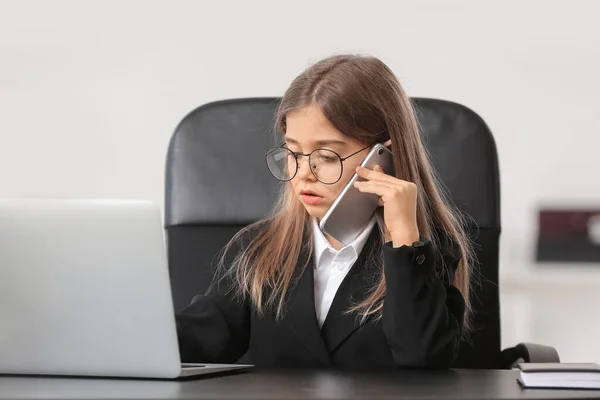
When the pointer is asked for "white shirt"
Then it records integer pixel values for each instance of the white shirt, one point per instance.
(331, 266)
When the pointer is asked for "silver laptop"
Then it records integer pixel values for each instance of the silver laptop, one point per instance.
(84, 291)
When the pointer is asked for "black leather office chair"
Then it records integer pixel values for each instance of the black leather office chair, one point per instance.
(217, 182)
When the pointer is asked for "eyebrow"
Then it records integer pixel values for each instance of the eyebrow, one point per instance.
(319, 142)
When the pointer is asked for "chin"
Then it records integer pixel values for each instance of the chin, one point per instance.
(317, 211)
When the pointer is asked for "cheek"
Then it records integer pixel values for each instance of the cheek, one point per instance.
(294, 185)
(346, 176)
(291, 168)
(349, 171)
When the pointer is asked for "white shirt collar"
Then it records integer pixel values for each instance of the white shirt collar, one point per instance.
(322, 244)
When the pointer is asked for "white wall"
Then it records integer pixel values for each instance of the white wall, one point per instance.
(90, 91)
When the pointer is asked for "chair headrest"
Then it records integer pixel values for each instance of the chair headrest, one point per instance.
(216, 171)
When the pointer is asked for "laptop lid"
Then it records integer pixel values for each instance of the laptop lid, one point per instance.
(84, 289)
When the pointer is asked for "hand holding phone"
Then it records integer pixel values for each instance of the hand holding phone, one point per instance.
(352, 210)
(399, 200)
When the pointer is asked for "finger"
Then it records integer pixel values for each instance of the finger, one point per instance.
(388, 143)
(371, 174)
(380, 189)
(378, 168)
(381, 184)
(377, 174)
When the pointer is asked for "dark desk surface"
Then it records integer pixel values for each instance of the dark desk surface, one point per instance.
(455, 384)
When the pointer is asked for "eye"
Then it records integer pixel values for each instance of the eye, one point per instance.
(325, 156)
(324, 159)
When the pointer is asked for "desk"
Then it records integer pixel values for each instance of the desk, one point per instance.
(454, 384)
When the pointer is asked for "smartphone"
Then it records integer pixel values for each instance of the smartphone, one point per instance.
(352, 209)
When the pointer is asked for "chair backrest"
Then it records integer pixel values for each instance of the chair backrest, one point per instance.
(217, 182)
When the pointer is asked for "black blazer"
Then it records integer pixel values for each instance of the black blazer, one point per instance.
(420, 325)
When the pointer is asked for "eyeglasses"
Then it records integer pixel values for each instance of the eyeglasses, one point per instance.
(326, 165)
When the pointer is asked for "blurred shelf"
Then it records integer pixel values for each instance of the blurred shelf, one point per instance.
(552, 276)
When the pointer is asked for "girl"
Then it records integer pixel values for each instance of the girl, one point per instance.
(289, 296)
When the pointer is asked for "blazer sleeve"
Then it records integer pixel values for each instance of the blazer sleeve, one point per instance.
(215, 327)
(422, 312)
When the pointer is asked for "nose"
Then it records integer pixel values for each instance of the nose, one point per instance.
(304, 171)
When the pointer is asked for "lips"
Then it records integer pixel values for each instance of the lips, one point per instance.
(311, 198)
(309, 192)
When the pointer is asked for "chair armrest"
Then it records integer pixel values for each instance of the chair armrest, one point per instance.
(528, 352)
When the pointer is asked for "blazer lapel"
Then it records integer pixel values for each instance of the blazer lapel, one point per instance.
(301, 316)
(354, 288)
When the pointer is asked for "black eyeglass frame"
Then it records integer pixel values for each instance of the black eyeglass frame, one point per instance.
(297, 154)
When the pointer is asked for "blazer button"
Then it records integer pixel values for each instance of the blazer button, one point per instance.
(421, 259)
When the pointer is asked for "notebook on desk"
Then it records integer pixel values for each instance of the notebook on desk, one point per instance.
(84, 291)
(560, 375)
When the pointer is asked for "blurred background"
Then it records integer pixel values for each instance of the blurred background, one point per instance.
(91, 91)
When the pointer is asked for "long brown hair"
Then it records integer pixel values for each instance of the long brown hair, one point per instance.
(363, 99)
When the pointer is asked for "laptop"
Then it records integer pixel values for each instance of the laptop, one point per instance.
(85, 291)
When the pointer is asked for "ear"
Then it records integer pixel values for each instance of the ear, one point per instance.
(388, 143)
